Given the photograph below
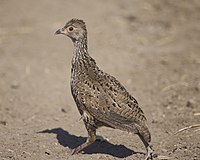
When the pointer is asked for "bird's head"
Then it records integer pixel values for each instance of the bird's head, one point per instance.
(75, 29)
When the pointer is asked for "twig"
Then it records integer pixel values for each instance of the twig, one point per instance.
(164, 157)
(197, 130)
(186, 128)
(197, 114)
(172, 86)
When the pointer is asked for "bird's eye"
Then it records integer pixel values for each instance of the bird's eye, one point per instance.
(71, 29)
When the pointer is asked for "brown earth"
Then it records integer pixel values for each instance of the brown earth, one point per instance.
(152, 47)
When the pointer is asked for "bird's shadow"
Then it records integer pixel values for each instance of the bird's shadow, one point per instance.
(71, 141)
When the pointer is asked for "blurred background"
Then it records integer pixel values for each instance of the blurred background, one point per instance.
(151, 47)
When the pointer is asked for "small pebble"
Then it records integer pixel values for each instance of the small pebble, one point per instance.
(63, 110)
(15, 85)
(47, 152)
(3, 122)
(190, 103)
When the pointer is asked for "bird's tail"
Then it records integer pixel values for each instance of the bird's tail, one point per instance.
(144, 134)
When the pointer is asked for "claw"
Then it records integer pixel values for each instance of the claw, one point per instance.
(73, 151)
(76, 150)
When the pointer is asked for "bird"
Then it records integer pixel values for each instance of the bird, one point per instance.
(100, 98)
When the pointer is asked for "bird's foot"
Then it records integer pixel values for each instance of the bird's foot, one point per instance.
(73, 151)
(149, 153)
(76, 150)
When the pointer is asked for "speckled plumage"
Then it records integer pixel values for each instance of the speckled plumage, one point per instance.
(101, 99)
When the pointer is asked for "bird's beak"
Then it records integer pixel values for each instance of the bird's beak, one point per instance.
(60, 31)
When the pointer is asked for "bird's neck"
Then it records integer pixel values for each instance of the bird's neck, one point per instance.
(80, 52)
(81, 59)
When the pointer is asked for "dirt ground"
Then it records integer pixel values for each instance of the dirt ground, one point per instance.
(151, 47)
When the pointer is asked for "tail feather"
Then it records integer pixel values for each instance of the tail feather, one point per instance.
(146, 134)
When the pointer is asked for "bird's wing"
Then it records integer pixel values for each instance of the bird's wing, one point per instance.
(109, 102)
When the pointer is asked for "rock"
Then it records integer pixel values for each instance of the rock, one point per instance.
(63, 110)
(191, 103)
(15, 85)
(3, 122)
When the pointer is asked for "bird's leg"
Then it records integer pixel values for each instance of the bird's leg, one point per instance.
(91, 138)
(148, 146)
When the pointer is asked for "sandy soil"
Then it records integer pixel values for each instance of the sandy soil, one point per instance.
(152, 47)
